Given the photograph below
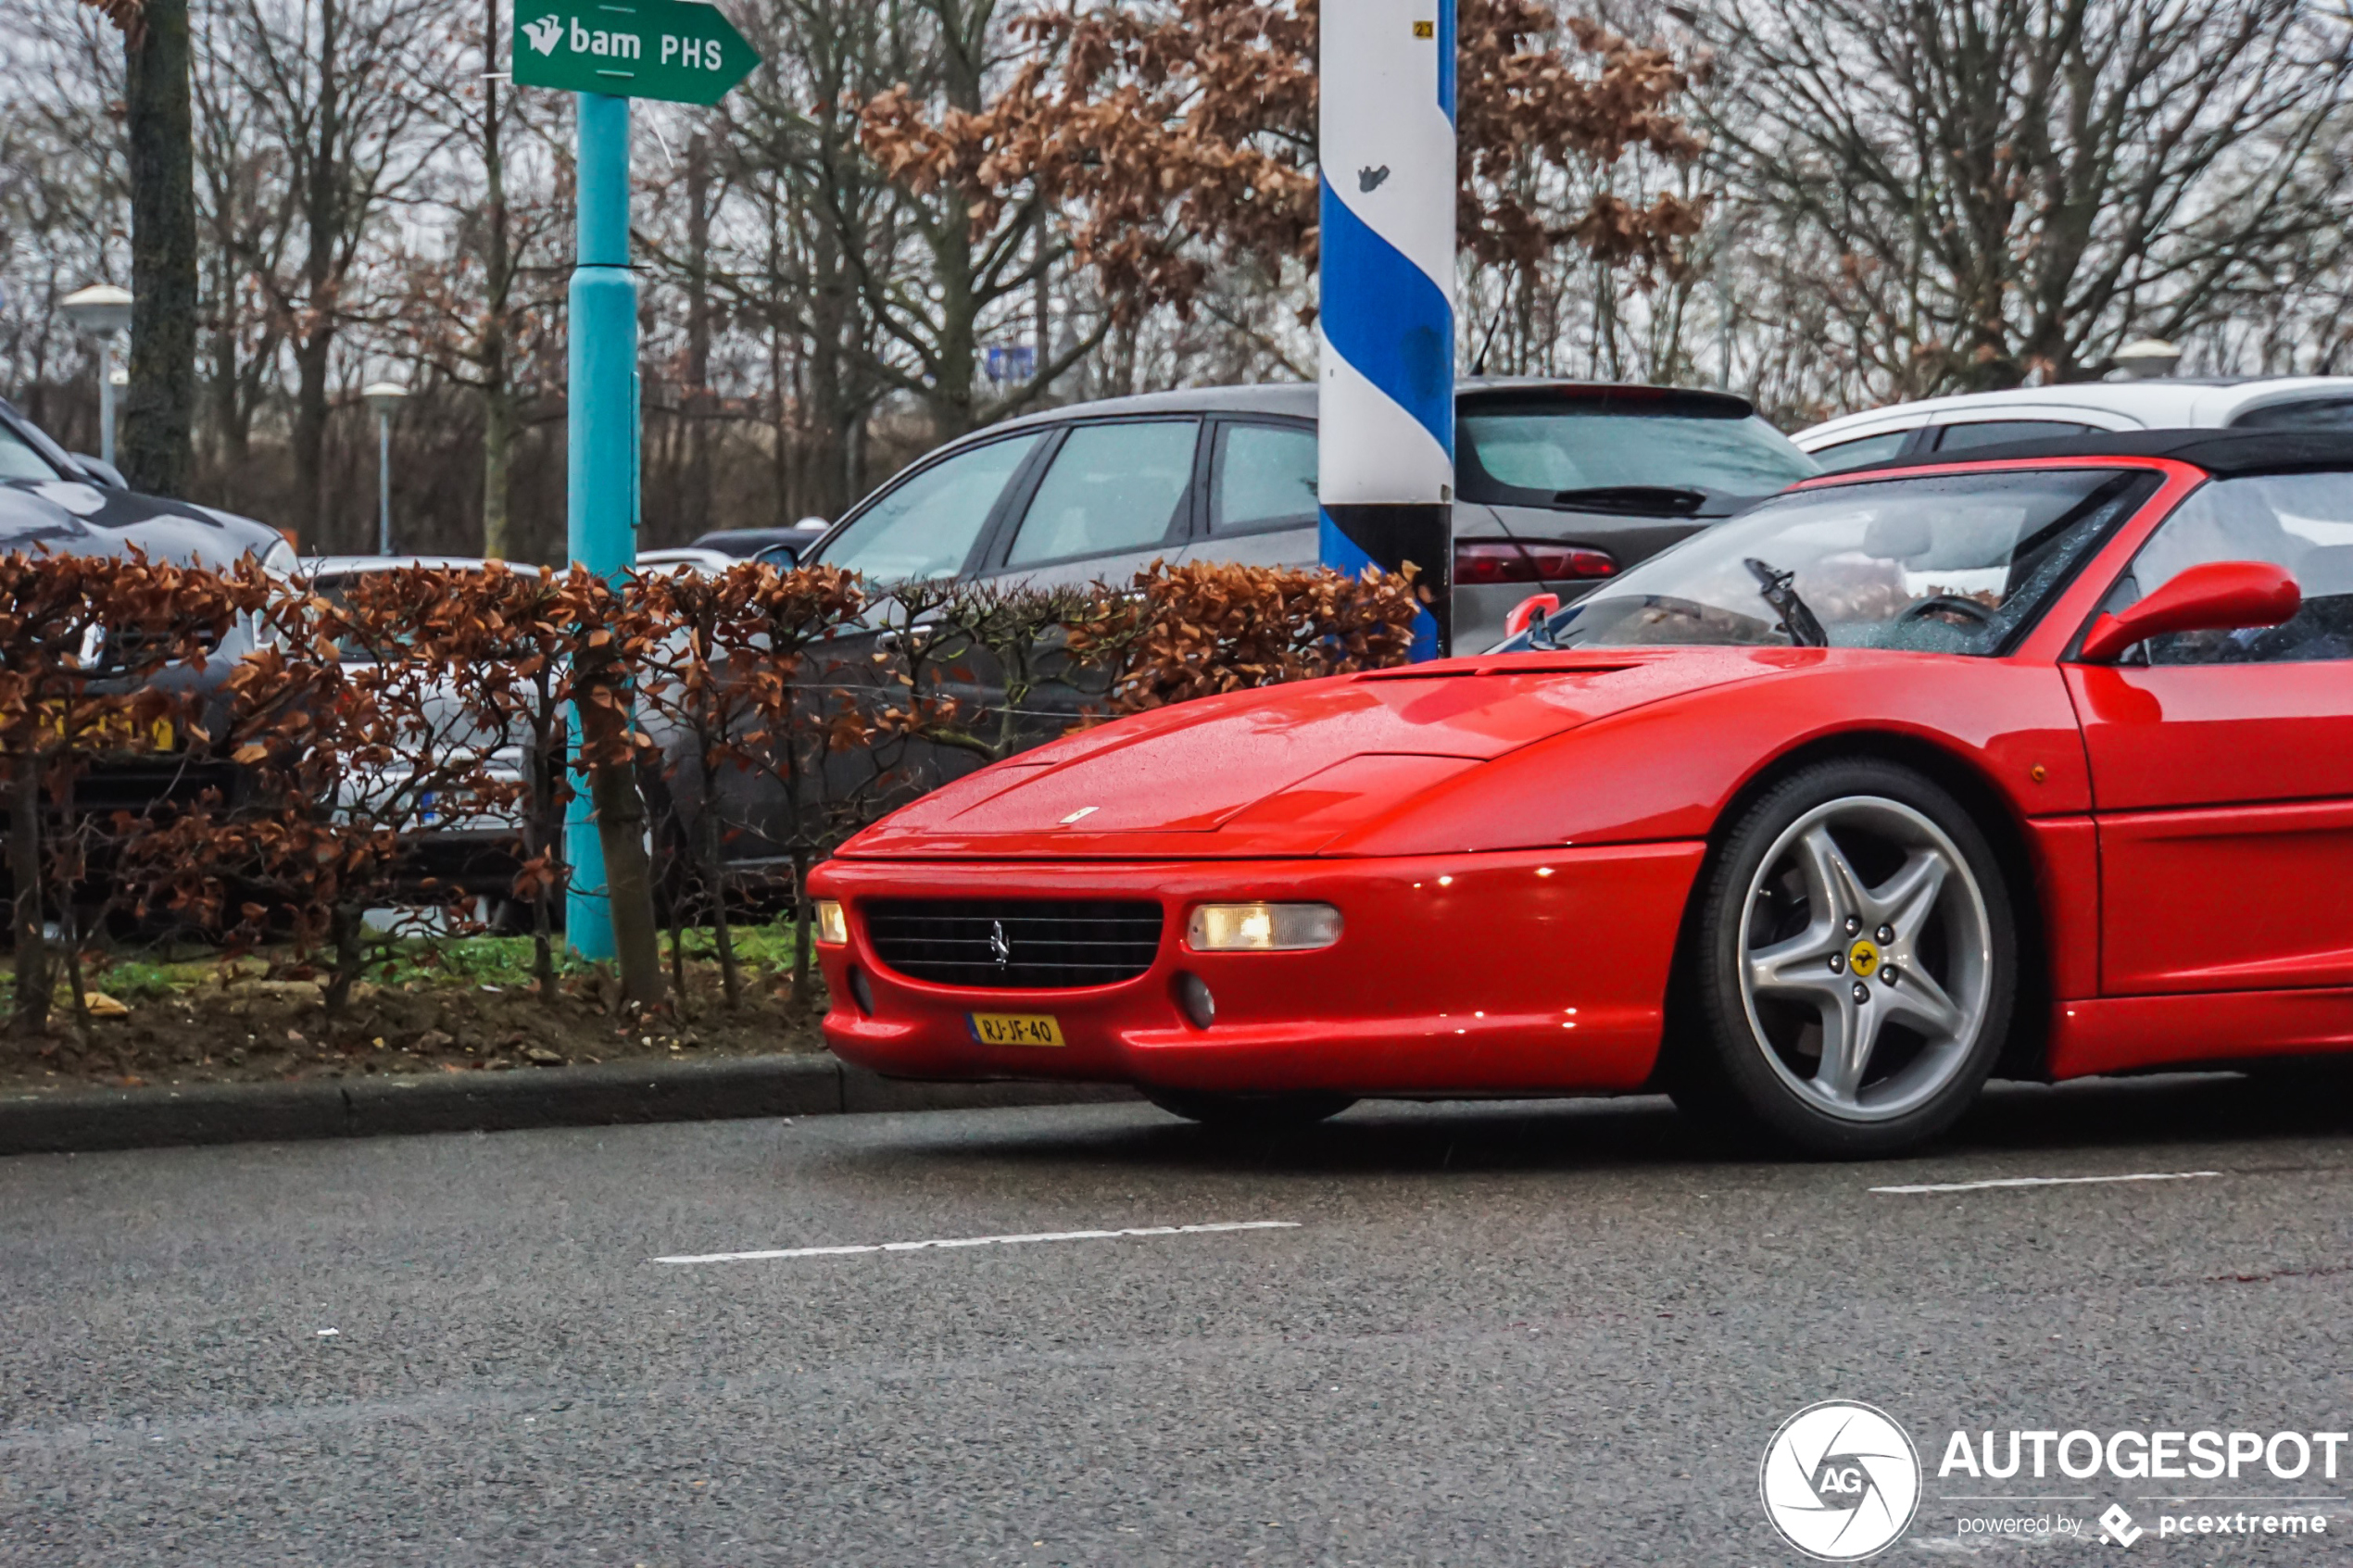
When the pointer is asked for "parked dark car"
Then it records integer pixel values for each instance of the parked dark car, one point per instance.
(51, 500)
(80, 506)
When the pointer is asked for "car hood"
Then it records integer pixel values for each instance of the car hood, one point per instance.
(1284, 770)
(70, 516)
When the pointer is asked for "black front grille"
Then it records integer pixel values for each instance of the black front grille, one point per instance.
(1015, 944)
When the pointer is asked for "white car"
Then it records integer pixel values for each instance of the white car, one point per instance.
(702, 562)
(2027, 413)
(460, 844)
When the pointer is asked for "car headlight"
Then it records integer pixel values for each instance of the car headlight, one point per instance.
(1262, 928)
(833, 925)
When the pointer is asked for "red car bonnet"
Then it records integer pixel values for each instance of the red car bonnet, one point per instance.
(1282, 770)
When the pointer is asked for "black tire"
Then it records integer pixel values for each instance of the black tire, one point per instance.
(1737, 1054)
(1250, 1113)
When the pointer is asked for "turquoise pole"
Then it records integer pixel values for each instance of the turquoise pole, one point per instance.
(601, 441)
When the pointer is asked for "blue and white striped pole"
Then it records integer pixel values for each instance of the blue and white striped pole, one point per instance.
(1385, 454)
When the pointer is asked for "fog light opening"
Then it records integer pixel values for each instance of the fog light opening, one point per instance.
(1194, 1001)
(862, 993)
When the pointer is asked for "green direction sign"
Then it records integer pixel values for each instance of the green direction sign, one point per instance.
(674, 50)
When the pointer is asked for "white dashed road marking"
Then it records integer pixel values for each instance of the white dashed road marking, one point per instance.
(2053, 1181)
(979, 1241)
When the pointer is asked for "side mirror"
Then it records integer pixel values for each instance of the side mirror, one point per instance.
(1525, 612)
(784, 557)
(102, 471)
(2220, 595)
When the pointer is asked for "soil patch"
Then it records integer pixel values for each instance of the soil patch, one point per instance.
(253, 1022)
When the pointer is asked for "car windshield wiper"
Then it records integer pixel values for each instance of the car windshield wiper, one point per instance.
(1796, 620)
(1653, 500)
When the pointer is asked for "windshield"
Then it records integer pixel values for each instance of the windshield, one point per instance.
(19, 459)
(1533, 455)
(1955, 564)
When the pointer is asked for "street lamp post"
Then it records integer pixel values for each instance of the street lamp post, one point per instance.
(101, 312)
(384, 398)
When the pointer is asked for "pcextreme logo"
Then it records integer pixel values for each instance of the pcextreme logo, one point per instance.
(1840, 1481)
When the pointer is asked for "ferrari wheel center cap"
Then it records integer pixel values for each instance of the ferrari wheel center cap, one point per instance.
(1863, 958)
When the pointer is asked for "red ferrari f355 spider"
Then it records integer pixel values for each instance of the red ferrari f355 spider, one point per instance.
(2039, 763)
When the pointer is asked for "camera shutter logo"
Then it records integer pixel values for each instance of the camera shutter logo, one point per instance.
(1841, 1481)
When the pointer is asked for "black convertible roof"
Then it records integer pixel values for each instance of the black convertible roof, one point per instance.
(2223, 452)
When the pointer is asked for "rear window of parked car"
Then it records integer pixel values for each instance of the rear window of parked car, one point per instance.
(1526, 454)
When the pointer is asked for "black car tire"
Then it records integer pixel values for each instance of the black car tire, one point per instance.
(1735, 1056)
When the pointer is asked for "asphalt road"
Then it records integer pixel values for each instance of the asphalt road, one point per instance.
(1526, 1333)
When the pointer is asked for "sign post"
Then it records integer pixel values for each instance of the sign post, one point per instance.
(675, 50)
(1385, 422)
(607, 52)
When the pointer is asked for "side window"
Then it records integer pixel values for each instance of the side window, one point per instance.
(2301, 521)
(1989, 432)
(1266, 479)
(926, 526)
(2317, 413)
(1112, 487)
(1861, 452)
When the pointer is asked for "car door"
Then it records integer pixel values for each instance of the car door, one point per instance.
(1261, 495)
(931, 520)
(1108, 498)
(934, 519)
(2222, 762)
(1115, 496)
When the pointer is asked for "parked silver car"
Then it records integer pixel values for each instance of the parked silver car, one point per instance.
(459, 844)
(1559, 486)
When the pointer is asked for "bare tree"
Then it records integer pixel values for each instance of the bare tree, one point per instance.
(809, 233)
(158, 414)
(480, 289)
(1979, 191)
(337, 83)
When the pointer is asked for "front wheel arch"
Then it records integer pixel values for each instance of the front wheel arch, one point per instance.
(2026, 1054)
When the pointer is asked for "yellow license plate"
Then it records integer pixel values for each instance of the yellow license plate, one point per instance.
(1016, 1028)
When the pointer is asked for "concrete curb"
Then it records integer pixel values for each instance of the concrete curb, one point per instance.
(78, 1120)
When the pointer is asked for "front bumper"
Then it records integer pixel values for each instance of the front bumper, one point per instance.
(1474, 974)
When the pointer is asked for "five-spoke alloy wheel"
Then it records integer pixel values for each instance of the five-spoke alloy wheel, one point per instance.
(1853, 962)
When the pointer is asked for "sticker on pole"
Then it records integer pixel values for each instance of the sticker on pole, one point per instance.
(674, 50)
